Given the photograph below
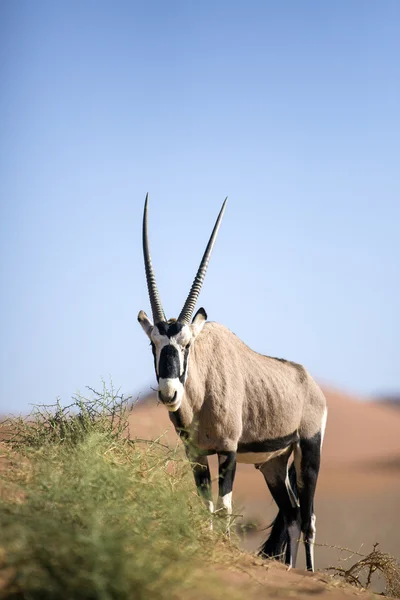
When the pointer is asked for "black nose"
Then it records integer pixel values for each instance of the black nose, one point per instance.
(167, 400)
(169, 363)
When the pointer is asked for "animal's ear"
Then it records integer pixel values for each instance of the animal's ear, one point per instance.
(198, 321)
(145, 322)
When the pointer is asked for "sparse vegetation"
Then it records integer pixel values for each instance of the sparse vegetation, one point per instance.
(90, 515)
(104, 412)
(362, 571)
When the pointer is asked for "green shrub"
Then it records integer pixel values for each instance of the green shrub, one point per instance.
(105, 412)
(99, 517)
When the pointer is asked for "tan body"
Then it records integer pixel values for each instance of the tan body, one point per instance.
(235, 395)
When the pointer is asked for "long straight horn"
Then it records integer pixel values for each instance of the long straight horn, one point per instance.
(155, 301)
(188, 309)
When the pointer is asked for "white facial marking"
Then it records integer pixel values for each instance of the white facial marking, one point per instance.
(183, 337)
(168, 389)
(159, 341)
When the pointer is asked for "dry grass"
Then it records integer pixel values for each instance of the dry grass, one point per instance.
(378, 563)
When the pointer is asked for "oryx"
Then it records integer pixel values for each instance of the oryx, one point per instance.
(223, 398)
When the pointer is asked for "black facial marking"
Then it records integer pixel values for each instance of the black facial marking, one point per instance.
(175, 328)
(169, 367)
(169, 329)
(269, 445)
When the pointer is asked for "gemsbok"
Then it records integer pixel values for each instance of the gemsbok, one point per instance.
(223, 398)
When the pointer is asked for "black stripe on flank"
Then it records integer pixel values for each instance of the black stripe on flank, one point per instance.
(279, 443)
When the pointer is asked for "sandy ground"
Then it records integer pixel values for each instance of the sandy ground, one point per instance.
(253, 579)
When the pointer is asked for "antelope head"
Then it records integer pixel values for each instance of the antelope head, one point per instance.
(172, 339)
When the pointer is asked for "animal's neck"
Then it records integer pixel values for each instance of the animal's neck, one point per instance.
(200, 362)
(195, 383)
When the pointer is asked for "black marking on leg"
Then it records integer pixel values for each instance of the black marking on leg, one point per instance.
(202, 477)
(226, 472)
(310, 458)
(278, 543)
(288, 556)
(271, 445)
(309, 561)
(309, 467)
(280, 495)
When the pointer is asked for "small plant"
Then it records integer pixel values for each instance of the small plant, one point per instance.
(376, 562)
(106, 412)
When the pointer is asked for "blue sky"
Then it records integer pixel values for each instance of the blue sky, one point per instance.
(289, 108)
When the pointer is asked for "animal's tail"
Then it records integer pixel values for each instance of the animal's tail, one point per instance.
(275, 545)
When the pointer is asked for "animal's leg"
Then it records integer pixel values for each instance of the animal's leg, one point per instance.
(202, 477)
(307, 461)
(226, 476)
(275, 472)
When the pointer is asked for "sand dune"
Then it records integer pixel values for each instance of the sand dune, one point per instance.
(359, 431)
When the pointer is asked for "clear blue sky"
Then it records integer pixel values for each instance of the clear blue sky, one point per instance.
(289, 108)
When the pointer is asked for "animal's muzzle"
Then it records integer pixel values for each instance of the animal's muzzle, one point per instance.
(167, 400)
(170, 392)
